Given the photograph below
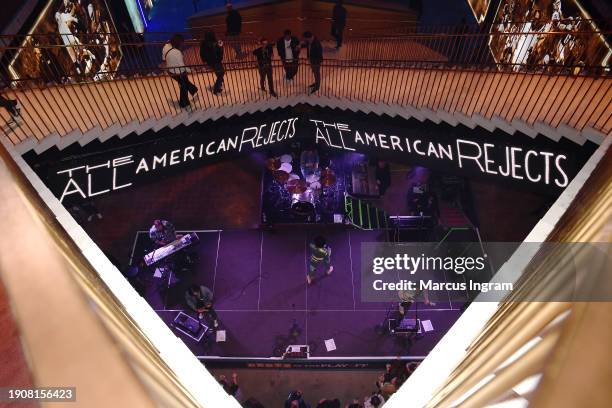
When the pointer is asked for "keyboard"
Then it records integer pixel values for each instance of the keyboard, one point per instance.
(160, 253)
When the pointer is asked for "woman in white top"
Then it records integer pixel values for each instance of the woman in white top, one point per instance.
(174, 63)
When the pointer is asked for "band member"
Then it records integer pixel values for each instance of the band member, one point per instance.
(320, 253)
(162, 233)
(200, 299)
(288, 48)
(408, 297)
(264, 63)
(314, 50)
(309, 162)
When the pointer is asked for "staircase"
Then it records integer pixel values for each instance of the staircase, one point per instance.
(405, 76)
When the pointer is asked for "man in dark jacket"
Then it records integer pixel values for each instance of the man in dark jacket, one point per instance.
(233, 23)
(211, 53)
(288, 48)
(338, 23)
(264, 62)
(315, 56)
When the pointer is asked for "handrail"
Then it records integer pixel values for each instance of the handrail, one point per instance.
(432, 73)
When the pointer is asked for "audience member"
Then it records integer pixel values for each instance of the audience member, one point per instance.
(252, 403)
(174, 62)
(338, 23)
(288, 48)
(314, 51)
(231, 387)
(233, 23)
(329, 403)
(211, 53)
(264, 55)
(295, 399)
(375, 400)
(11, 106)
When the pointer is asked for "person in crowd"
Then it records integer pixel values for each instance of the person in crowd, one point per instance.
(233, 24)
(11, 106)
(211, 53)
(354, 404)
(162, 232)
(231, 387)
(329, 403)
(252, 403)
(320, 253)
(373, 401)
(383, 176)
(338, 23)
(174, 62)
(295, 400)
(288, 47)
(314, 51)
(264, 55)
(200, 299)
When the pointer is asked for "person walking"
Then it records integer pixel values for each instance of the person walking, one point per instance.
(288, 48)
(211, 53)
(233, 24)
(264, 63)
(338, 23)
(175, 64)
(320, 253)
(315, 56)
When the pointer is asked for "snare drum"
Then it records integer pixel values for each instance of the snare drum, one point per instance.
(303, 203)
(294, 176)
(315, 185)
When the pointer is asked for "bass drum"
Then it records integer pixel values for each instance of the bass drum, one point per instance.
(303, 203)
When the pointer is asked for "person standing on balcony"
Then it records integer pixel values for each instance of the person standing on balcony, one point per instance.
(211, 53)
(11, 106)
(288, 48)
(338, 23)
(314, 51)
(174, 62)
(233, 23)
(264, 63)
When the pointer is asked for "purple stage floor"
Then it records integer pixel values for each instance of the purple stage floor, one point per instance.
(259, 283)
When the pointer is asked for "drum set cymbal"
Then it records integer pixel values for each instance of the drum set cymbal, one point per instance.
(280, 176)
(273, 164)
(328, 177)
(296, 186)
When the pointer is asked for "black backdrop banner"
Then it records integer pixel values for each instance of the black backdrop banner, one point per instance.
(539, 164)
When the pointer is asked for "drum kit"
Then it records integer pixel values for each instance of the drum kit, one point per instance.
(303, 193)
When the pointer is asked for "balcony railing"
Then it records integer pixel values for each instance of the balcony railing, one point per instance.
(452, 73)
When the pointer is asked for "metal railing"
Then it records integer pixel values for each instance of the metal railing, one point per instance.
(419, 70)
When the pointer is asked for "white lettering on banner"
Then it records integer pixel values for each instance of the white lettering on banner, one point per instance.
(517, 163)
(72, 186)
(98, 181)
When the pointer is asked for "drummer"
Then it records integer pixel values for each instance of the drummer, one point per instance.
(309, 162)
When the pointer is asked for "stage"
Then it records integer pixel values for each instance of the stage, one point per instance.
(258, 278)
